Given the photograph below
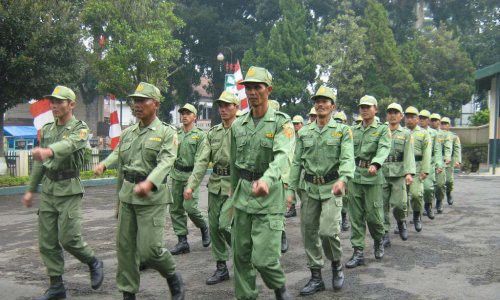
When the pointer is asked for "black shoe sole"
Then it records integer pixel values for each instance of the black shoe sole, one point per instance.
(321, 289)
(62, 296)
(221, 279)
(356, 265)
(185, 251)
(206, 245)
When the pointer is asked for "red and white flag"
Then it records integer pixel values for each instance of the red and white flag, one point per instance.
(240, 89)
(114, 123)
(42, 114)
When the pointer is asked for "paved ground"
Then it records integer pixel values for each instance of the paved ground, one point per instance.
(455, 257)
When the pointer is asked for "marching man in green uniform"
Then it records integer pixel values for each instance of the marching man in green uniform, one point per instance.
(298, 123)
(145, 157)
(57, 164)
(436, 163)
(216, 151)
(456, 157)
(312, 115)
(324, 151)
(261, 145)
(341, 118)
(186, 196)
(372, 144)
(423, 156)
(398, 171)
(446, 146)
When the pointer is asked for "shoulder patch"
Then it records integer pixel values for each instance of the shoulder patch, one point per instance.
(288, 130)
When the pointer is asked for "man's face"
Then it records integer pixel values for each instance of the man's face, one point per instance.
(312, 118)
(411, 120)
(445, 126)
(435, 123)
(257, 93)
(423, 121)
(227, 111)
(323, 106)
(187, 117)
(394, 116)
(297, 126)
(61, 108)
(145, 108)
(367, 112)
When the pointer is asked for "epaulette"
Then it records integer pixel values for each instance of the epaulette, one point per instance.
(283, 114)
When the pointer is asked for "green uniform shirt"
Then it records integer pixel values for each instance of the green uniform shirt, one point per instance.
(372, 144)
(401, 147)
(423, 149)
(264, 148)
(446, 145)
(191, 146)
(456, 155)
(148, 151)
(68, 143)
(320, 152)
(437, 152)
(216, 150)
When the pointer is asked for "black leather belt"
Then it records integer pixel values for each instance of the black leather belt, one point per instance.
(221, 171)
(62, 175)
(183, 168)
(394, 158)
(418, 157)
(362, 163)
(134, 177)
(321, 179)
(250, 176)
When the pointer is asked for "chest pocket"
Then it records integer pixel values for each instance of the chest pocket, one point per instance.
(308, 148)
(151, 148)
(332, 148)
(399, 145)
(125, 151)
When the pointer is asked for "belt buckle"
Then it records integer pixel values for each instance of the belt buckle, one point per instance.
(322, 179)
(315, 179)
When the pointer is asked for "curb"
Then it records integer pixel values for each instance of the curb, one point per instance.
(16, 190)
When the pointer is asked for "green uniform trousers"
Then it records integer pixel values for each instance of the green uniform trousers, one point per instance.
(417, 194)
(394, 195)
(221, 237)
(345, 203)
(449, 179)
(256, 241)
(440, 185)
(365, 208)
(320, 225)
(429, 183)
(59, 226)
(140, 240)
(181, 207)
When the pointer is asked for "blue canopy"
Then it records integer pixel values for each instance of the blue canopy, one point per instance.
(26, 132)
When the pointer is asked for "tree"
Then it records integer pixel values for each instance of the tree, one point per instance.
(341, 55)
(287, 54)
(40, 48)
(481, 117)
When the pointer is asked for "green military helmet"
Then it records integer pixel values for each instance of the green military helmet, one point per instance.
(229, 97)
(297, 119)
(424, 113)
(312, 111)
(368, 100)
(435, 116)
(445, 120)
(340, 115)
(189, 107)
(258, 75)
(395, 106)
(274, 104)
(411, 110)
(146, 90)
(325, 92)
(63, 93)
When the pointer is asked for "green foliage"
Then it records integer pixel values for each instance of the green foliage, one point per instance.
(481, 117)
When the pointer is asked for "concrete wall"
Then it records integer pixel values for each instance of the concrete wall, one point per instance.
(472, 135)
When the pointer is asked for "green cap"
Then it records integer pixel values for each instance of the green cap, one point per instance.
(297, 119)
(274, 104)
(425, 113)
(340, 116)
(368, 100)
(229, 97)
(435, 116)
(411, 110)
(395, 106)
(445, 120)
(312, 111)
(259, 75)
(188, 107)
(326, 92)
(63, 93)
(146, 90)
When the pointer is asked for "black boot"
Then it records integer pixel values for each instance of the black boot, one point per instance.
(176, 286)
(345, 225)
(428, 210)
(386, 240)
(439, 206)
(55, 291)
(282, 294)
(449, 198)
(337, 275)
(417, 221)
(292, 212)
(402, 230)
(128, 296)
(314, 285)
(379, 249)
(181, 247)
(142, 267)
(96, 273)
(357, 259)
(220, 275)
(205, 236)
(284, 242)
